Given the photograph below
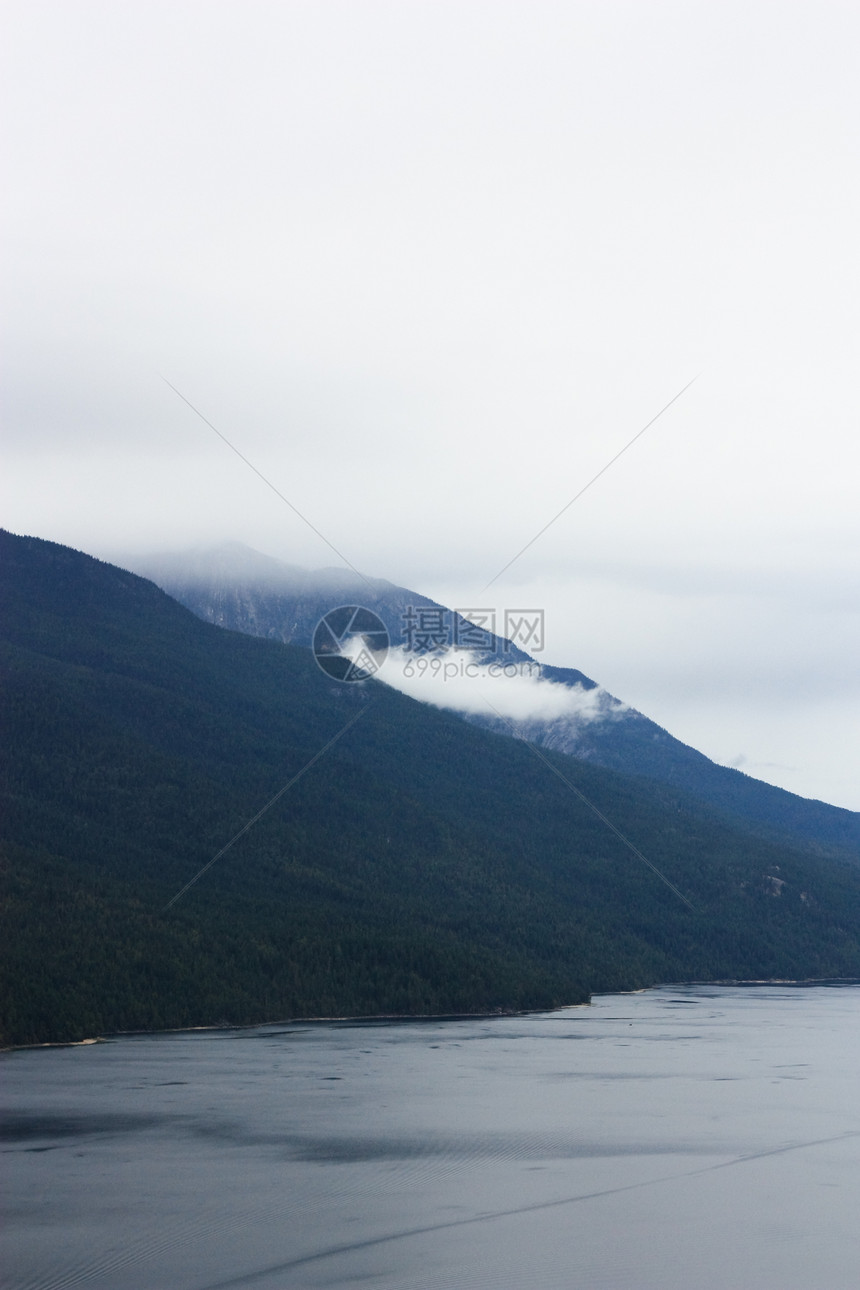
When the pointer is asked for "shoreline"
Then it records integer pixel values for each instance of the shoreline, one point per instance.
(382, 1017)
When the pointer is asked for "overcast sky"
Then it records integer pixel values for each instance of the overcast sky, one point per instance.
(429, 266)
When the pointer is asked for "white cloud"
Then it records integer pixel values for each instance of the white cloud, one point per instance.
(458, 680)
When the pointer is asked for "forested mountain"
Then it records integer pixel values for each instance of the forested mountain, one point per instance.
(236, 587)
(419, 864)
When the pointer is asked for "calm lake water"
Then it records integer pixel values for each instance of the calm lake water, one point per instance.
(684, 1137)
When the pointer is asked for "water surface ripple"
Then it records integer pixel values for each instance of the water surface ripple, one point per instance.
(703, 1136)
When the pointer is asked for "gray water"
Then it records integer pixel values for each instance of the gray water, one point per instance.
(702, 1137)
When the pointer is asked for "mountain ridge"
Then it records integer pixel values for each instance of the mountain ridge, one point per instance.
(256, 594)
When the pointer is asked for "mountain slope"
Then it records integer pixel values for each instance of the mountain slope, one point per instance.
(238, 588)
(420, 864)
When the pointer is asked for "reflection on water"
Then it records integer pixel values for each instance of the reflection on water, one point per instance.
(695, 1136)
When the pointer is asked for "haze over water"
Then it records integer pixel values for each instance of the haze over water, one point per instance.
(700, 1136)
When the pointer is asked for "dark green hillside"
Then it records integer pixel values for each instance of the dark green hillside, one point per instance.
(421, 865)
(238, 588)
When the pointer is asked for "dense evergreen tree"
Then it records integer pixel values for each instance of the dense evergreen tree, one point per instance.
(421, 865)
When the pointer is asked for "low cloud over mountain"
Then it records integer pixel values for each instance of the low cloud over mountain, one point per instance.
(462, 681)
